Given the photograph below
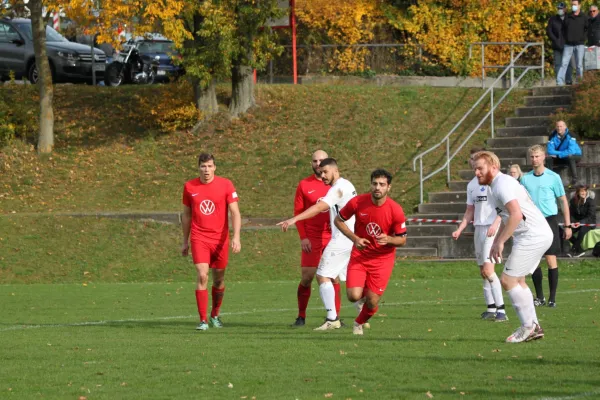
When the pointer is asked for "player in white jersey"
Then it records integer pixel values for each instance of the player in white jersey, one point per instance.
(481, 210)
(531, 234)
(335, 258)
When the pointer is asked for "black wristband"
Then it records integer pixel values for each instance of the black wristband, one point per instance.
(567, 226)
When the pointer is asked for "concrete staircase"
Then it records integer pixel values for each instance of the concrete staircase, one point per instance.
(530, 126)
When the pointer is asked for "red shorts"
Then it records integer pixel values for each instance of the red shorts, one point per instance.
(313, 258)
(375, 273)
(215, 255)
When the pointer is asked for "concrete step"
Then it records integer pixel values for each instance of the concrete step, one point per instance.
(454, 216)
(450, 248)
(458, 207)
(587, 173)
(553, 100)
(551, 90)
(447, 197)
(539, 110)
(416, 252)
(527, 121)
(431, 229)
(519, 131)
(461, 185)
(508, 161)
(526, 141)
(511, 153)
(591, 151)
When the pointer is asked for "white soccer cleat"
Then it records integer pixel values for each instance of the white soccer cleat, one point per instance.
(329, 325)
(522, 334)
(357, 329)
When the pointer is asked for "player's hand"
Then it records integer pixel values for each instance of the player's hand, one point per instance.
(306, 246)
(185, 249)
(236, 245)
(456, 234)
(576, 225)
(492, 230)
(382, 239)
(286, 224)
(361, 243)
(568, 233)
(496, 252)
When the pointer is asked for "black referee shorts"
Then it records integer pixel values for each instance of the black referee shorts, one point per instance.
(554, 249)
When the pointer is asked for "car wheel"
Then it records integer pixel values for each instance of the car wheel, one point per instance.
(34, 76)
(112, 75)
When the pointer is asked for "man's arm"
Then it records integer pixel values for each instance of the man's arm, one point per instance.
(308, 213)
(564, 205)
(515, 216)
(550, 32)
(396, 241)
(186, 226)
(468, 217)
(236, 224)
(298, 208)
(360, 243)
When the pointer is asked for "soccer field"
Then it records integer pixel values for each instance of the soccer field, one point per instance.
(137, 341)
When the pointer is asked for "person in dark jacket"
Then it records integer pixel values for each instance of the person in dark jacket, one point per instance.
(576, 25)
(556, 33)
(582, 208)
(593, 34)
(563, 149)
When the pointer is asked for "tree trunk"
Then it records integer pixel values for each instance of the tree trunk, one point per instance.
(46, 136)
(205, 97)
(242, 90)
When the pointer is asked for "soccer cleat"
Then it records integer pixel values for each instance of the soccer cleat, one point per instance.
(501, 317)
(202, 326)
(488, 315)
(552, 304)
(522, 334)
(299, 322)
(539, 302)
(538, 333)
(357, 329)
(329, 325)
(216, 322)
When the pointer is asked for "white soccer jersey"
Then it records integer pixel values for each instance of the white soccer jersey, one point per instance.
(336, 198)
(506, 188)
(480, 196)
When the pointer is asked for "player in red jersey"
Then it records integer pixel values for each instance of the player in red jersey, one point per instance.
(206, 201)
(314, 234)
(380, 227)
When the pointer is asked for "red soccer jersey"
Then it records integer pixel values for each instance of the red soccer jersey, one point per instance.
(310, 190)
(373, 220)
(209, 203)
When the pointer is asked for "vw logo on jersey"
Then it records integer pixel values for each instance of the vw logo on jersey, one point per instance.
(318, 201)
(373, 229)
(207, 207)
(482, 189)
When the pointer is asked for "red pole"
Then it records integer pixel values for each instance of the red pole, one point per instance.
(293, 25)
(254, 76)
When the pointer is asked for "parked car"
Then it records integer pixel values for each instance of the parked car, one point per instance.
(69, 61)
(154, 45)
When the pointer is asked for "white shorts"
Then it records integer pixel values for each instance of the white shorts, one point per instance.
(526, 254)
(483, 244)
(334, 261)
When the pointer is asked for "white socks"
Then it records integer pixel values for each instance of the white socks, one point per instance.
(327, 293)
(487, 294)
(496, 289)
(522, 301)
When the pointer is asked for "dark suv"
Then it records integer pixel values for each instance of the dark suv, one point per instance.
(68, 61)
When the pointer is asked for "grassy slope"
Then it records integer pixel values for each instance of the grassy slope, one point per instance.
(113, 154)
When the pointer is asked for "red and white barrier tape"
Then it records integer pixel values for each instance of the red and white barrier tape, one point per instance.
(458, 221)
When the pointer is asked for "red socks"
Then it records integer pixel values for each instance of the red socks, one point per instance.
(303, 297)
(338, 298)
(365, 314)
(217, 299)
(202, 303)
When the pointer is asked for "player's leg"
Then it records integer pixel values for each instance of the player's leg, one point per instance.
(327, 293)
(378, 274)
(551, 254)
(338, 298)
(482, 257)
(309, 263)
(491, 280)
(219, 260)
(202, 294)
(355, 289)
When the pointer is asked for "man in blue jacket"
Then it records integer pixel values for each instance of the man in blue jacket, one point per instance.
(563, 150)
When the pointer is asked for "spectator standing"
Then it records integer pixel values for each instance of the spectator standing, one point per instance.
(556, 33)
(563, 150)
(576, 26)
(583, 211)
(593, 34)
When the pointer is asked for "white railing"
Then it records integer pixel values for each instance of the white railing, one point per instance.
(490, 114)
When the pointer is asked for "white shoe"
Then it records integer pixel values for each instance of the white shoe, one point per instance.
(328, 325)
(522, 334)
(357, 329)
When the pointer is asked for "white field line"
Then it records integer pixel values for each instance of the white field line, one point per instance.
(575, 396)
(254, 311)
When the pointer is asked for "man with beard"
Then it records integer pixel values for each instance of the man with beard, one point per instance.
(531, 234)
(334, 261)
(314, 235)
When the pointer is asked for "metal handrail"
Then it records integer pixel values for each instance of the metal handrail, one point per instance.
(490, 113)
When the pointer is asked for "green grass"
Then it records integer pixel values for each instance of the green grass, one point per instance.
(113, 154)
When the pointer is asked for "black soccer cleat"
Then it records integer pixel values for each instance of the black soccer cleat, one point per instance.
(299, 323)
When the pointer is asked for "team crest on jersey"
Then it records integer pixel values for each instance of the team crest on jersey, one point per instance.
(482, 189)
(373, 229)
(207, 207)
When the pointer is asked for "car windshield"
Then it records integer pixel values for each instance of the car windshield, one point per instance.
(156, 47)
(51, 34)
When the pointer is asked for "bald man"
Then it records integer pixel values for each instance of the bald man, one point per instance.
(314, 233)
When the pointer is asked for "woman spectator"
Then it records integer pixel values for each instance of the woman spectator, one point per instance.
(515, 172)
(583, 211)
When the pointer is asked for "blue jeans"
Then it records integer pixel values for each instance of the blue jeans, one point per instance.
(566, 59)
(558, 62)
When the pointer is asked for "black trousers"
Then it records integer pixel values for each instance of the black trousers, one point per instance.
(570, 161)
(576, 241)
